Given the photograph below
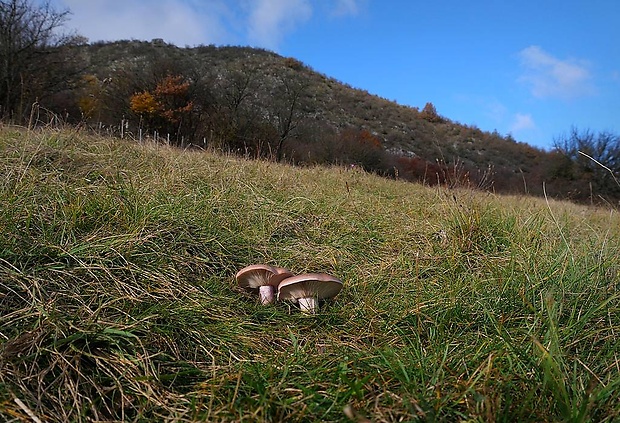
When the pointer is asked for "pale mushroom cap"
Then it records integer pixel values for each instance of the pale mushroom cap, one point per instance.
(279, 276)
(309, 285)
(253, 277)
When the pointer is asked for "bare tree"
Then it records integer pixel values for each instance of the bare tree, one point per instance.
(236, 87)
(28, 39)
(288, 109)
(595, 158)
(582, 146)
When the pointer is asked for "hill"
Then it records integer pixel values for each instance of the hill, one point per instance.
(259, 104)
(118, 300)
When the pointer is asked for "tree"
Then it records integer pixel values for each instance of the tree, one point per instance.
(144, 104)
(288, 111)
(429, 113)
(172, 96)
(594, 158)
(167, 106)
(90, 96)
(236, 119)
(359, 147)
(29, 54)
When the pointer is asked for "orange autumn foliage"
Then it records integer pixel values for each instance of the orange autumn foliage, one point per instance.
(144, 103)
(168, 100)
(172, 86)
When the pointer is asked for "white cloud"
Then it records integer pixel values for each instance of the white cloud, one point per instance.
(181, 23)
(260, 23)
(548, 76)
(271, 20)
(522, 122)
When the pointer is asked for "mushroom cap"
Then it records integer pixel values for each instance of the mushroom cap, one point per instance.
(309, 285)
(251, 278)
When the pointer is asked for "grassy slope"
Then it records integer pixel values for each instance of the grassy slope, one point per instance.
(117, 296)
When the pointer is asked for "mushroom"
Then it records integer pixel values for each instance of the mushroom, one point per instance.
(308, 289)
(262, 279)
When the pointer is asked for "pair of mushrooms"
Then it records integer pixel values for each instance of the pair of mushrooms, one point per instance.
(306, 289)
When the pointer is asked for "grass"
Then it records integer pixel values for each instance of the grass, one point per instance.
(118, 300)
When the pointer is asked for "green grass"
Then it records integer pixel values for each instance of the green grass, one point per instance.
(118, 300)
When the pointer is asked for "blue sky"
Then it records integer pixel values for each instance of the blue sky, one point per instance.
(529, 68)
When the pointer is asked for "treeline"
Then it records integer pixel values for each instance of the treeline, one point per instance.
(258, 104)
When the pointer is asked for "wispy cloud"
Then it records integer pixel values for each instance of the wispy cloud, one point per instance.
(522, 122)
(271, 20)
(493, 109)
(346, 7)
(548, 76)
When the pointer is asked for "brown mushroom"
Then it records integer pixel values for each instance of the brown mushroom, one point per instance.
(308, 289)
(262, 279)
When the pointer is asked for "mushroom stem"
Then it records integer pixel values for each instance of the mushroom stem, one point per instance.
(266, 294)
(308, 305)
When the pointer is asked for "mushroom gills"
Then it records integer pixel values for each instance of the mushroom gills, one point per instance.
(262, 279)
(308, 289)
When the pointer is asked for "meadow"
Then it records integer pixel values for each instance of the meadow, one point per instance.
(118, 300)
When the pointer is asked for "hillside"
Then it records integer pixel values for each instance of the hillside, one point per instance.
(261, 104)
(118, 300)
(256, 104)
